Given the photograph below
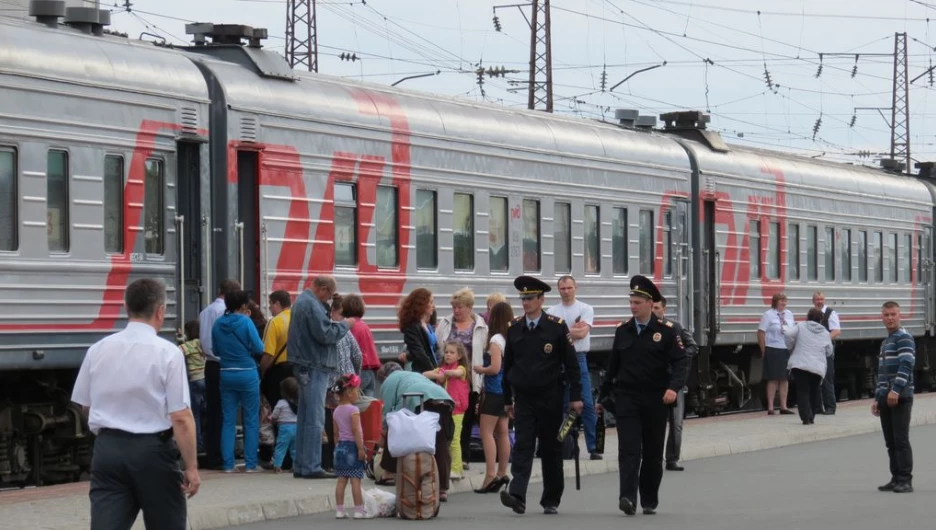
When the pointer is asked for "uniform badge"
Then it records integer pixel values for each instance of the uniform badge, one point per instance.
(657, 337)
(547, 348)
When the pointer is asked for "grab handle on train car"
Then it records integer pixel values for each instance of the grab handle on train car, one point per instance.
(180, 238)
(239, 226)
(717, 291)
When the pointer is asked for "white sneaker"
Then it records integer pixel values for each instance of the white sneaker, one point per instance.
(341, 515)
(254, 470)
(359, 515)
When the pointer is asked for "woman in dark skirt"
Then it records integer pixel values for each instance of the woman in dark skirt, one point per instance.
(774, 350)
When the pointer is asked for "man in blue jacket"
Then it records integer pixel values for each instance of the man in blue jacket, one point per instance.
(311, 349)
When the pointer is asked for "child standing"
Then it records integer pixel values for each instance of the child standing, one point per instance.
(195, 366)
(453, 375)
(349, 451)
(284, 416)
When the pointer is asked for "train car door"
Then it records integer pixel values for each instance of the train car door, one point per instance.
(926, 275)
(683, 272)
(189, 231)
(247, 227)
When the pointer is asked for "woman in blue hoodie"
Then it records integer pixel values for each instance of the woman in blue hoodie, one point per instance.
(236, 342)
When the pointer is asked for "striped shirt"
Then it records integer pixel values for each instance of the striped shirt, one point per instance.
(895, 365)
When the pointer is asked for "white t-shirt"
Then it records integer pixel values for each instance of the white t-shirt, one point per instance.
(132, 381)
(569, 314)
(770, 324)
(833, 319)
(500, 341)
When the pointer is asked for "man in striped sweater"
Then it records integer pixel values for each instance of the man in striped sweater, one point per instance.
(894, 398)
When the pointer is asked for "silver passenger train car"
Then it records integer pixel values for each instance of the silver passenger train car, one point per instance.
(120, 159)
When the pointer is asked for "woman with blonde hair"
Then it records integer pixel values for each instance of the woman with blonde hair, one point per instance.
(774, 350)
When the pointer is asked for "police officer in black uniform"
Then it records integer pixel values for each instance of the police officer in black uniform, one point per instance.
(538, 347)
(648, 367)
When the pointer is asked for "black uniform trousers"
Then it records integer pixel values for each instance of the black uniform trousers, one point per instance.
(641, 427)
(895, 422)
(538, 416)
(211, 421)
(133, 472)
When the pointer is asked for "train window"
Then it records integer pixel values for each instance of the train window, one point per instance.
(57, 201)
(113, 203)
(862, 256)
(906, 257)
(894, 271)
(755, 250)
(427, 248)
(388, 231)
(812, 253)
(773, 251)
(345, 224)
(9, 227)
(592, 240)
(531, 235)
(877, 252)
(619, 241)
(498, 249)
(828, 250)
(463, 231)
(668, 244)
(846, 253)
(646, 242)
(562, 237)
(793, 250)
(153, 209)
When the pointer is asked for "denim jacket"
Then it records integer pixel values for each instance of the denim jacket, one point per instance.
(313, 335)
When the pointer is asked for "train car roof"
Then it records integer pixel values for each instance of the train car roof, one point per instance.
(323, 98)
(64, 54)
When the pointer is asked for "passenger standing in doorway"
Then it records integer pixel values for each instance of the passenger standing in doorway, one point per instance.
(678, 411)
(830, 321)
(774, 350)
(211, 433)
(134, 388)
(580, 317)
(893, 400)
(647, 369)
(311, 349)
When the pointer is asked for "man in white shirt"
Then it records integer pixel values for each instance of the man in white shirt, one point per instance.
(211, 426)
(830, 321)
(580, 317)
(134, 387)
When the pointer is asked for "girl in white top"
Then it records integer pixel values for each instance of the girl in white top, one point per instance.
(774, 350)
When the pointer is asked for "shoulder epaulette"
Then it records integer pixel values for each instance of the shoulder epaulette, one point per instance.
(668, 323)
(553, 318)
(516, 319)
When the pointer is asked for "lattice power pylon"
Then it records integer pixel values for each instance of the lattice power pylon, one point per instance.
(541, 87)
(301, 34)
(900, 109)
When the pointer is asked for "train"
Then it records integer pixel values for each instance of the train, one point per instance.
(122, 159)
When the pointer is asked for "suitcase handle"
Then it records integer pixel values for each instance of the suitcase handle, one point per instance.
(420, 395)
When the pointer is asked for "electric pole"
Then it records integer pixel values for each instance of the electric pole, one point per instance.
(900, 108)
(541, 88)
(301, 34)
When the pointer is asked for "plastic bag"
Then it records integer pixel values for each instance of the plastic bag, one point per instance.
(408, 432)
(267, 434)
(379, 503)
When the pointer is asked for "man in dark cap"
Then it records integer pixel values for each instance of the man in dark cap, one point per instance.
(648, 367)
(538, 347)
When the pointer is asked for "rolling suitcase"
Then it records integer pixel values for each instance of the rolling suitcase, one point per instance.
(417, 484)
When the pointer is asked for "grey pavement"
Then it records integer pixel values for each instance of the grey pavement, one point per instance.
(226, 500)
(827, 485)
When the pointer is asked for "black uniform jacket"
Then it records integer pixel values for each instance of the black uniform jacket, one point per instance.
(656, 360)
(692, 349)
(533, 359)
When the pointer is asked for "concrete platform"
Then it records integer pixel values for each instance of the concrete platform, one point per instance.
(229, 500)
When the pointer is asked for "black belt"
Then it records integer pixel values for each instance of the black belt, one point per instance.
(163, 436)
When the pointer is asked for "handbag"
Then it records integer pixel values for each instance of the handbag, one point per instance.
(408, 432)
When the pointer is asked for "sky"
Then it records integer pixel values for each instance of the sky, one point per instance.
(719, 55)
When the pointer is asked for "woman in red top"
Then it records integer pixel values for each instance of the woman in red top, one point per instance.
(352, 306)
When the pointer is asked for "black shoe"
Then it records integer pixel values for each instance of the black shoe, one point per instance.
(512, 502)
(317, 475)
(649, 510)
(887, 487)
(596, 456)
(627, 506)
(903, 487)
(673, 466)
(828, 413)
(786, 411)
(550, 510)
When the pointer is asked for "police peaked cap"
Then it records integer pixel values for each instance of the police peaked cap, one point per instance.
(528, 285)
(642, 286)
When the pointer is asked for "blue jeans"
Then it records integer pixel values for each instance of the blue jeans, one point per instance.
(312, 387)
(197, 391)
(285, 441)
(369, 383)
(240, 389)
(589, 416)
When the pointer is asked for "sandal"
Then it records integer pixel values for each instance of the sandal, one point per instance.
(443, 496)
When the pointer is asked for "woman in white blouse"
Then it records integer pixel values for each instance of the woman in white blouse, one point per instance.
(774, 350)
